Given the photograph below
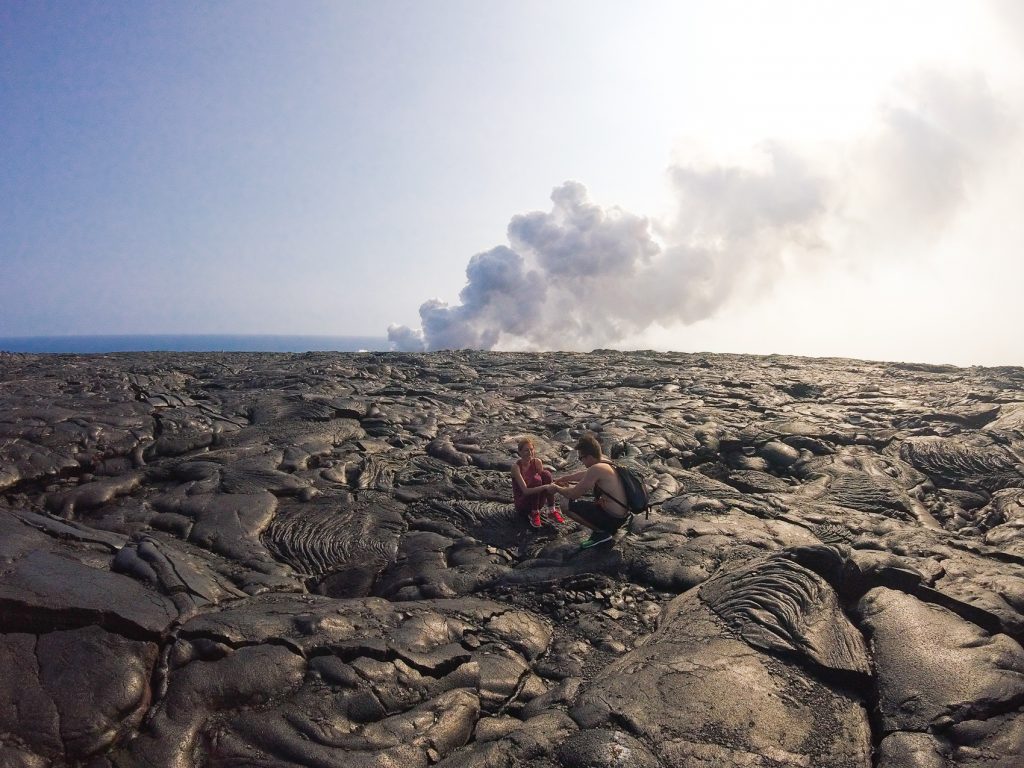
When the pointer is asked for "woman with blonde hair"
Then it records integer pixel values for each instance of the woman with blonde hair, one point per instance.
(531, 491)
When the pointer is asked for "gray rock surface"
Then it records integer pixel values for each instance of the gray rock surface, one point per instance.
(312, 560)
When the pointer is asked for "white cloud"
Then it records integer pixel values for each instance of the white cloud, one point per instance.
(797, 224)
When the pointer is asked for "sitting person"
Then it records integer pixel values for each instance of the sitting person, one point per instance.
(607, 512)
(531, 486)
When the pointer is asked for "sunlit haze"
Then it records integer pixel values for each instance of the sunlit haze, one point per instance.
(801, 177)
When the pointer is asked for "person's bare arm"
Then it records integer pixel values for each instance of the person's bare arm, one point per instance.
(583, 487)
(517, 478)
(575, 477)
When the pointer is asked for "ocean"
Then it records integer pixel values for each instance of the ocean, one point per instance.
(192, 343)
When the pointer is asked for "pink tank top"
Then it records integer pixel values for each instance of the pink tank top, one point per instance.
(531, 476)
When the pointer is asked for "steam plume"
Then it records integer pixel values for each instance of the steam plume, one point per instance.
(582, 276)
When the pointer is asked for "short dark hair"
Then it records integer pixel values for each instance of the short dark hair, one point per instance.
(589, 446)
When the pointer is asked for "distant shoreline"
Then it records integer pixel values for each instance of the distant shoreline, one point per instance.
(191, 343)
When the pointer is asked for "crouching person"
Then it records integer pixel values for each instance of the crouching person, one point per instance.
(532, 492)
(606, 512)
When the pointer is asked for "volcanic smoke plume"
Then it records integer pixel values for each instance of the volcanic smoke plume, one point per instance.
(583, 276)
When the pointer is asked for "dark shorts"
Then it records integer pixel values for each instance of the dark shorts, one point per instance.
(595, 515)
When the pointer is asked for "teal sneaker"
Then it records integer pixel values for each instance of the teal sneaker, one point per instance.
(598, 537)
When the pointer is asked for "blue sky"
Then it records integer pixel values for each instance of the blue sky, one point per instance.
(328, 167)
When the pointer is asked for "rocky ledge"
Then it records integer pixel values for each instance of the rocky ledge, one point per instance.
(311, 560)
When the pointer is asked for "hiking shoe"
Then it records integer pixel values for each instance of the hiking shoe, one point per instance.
(557, 514)
(535, 519)
(598, 537)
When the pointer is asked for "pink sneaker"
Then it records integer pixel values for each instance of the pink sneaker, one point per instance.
(535, 518)
(557, 514)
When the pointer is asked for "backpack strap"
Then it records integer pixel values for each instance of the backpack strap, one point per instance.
(610, 496)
